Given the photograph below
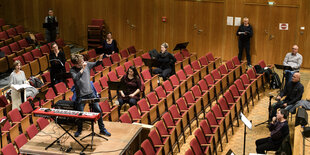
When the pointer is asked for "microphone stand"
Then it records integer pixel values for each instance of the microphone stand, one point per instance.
(269, 109)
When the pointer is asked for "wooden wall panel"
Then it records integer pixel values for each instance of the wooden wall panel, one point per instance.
(138, 22)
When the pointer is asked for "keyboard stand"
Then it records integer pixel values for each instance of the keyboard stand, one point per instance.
(92, 134)
(67, 132)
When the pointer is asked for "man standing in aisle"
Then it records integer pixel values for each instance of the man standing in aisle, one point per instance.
(245, 32)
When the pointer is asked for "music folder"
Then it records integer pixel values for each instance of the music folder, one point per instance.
(50, 25)
(180, 46)
(283, 67)
(113, 85)
(150, 62)
(245, 121)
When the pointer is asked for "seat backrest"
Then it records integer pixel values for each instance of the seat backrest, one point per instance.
(160, 92)
(60, 42)
(205, 127)
(185, 53)
(11, 32)
(178, 56)
(203, 85)
(223, 69)
(211, 119)
(127, 65)
(147, 147)
(106, 62)
(97, 22)
(3, 101)
(167, 85)
(14, 46)
(143, 105)
(173, 110)
(32, 131)
(28, 57)
(42, 123)
(146, 75)
(20, 140)
(61, 88)
(195, 64)
(181, 104)
(196, 146)
(161, 128)
(228, 96)
(209, 79)
(92, 53)
(6, 50)
(189, 97)
(105, 106)
(245, 79)
(124, 53)
(236, 60)
(203, 61)
(146, 56)
(223, 103)
(14, 115)
(46, 77)
(134, 113)
(115, 58)
(251, 74)
(189, 152)
(50, 94)
(39, 37)
(188, 70)
(120, 71)
(36, 53)
(215, 73)
(168, 119)
(239, 84)
(138, 61)
(104, 82)
(234, 90)
(20, 58)
(200, 136)
(196, 91)
(152, 98)
(23, 43)
(217, 110)
(181, 75)
(26, 107)
(229, 64)
(45, 49)
(210, 57)
(139, 152)
(9, 150)
(125, 118)
(132, 50)
(156, 140)
(112, 76)
(97, 86)
(262, 63)
(19, 29)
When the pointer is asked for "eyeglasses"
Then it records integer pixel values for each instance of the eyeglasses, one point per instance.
(295, 48)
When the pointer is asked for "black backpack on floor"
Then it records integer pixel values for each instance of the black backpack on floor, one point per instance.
(275, 82)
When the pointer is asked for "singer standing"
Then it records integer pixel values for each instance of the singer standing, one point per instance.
(57, 60)
(81, 77)
(245, 32)
(52, 32)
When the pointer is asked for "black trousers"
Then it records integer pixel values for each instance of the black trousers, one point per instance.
(164, 73)
(265, 144)
(50, 35)
(244, 45)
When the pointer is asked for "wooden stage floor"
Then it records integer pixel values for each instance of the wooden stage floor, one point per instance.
(123, 135)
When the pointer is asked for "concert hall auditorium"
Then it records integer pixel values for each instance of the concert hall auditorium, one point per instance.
(146, 77)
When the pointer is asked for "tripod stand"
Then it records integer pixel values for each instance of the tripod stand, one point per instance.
(269, 109)
(91, 103)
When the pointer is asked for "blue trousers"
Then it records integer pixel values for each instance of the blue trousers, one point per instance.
(96, 108)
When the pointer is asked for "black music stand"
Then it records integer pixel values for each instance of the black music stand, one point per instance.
(150, 63)
(180, 46)
(2, 122)
(91, 105)
(50, 25)
(269, 110)
(283, 68)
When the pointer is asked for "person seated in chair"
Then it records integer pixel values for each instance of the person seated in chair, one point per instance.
(133, 88)
(293, 92)
(278, 131)
(166, 63)
(293, 59)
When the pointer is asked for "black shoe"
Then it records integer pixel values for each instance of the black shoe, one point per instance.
(77, 134)
(105, 132)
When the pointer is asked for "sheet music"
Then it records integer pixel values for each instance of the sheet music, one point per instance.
(57, 61)
(20, 86)
(245, 121)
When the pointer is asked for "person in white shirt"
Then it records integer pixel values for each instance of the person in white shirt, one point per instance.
(293, 59)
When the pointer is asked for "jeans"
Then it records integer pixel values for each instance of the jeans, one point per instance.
(246, 45)
(96, 108)
(265, 144)
(277, 105)
(288, 76)
(304, 103)
(131, 102)
(164, 73)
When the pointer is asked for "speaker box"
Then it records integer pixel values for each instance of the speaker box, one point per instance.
(301, 117)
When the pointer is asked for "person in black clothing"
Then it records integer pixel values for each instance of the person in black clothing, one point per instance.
(293, 93)
(166, 63)
(58, 60)
(109, 45)
(52, 32)
(245, 32)
(278, 131)
(133, 87)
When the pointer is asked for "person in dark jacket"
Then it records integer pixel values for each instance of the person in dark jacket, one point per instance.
(245, 32)
(165, 63)
(57, 60)
(293, 92)
(109, 45)
(279, 129)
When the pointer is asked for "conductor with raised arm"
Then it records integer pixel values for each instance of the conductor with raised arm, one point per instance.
(81, 77)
